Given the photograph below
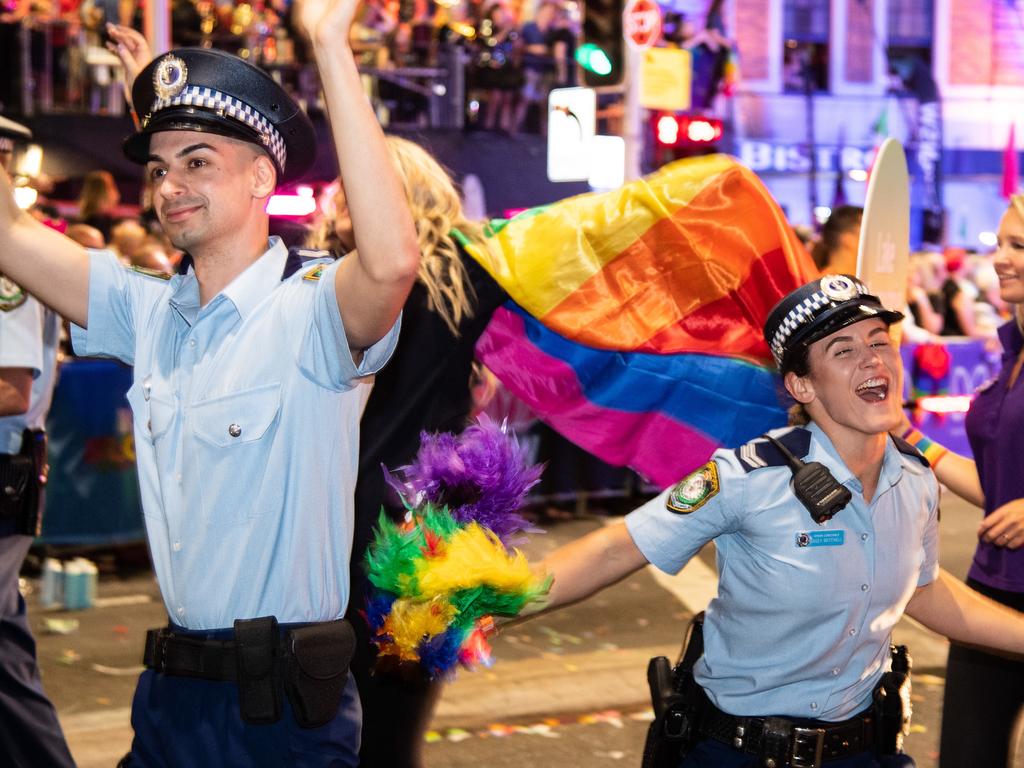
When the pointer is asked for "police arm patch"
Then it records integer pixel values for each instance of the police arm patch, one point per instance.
(693, 491)
(11, 295)
(315, 273)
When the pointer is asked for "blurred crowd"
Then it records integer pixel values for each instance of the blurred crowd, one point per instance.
(950, 291)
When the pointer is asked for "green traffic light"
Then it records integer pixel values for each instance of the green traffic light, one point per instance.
(594, 59)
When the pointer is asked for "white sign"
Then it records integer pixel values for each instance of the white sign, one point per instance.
(761, 156)
(608, 170)
(572, 121)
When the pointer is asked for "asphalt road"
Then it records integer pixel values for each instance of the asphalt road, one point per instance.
(568, 688)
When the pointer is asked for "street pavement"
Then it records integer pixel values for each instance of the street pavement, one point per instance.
(568, 688)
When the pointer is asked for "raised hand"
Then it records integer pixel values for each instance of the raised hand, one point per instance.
(133, 51)
(327, 21)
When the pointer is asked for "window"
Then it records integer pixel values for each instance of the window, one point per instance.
(805, 27)
(910, 36)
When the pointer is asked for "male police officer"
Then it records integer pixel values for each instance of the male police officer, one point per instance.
(29, 731)
(812, 575)
(246, 421)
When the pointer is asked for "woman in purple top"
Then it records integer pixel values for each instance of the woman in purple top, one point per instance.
(984, 692)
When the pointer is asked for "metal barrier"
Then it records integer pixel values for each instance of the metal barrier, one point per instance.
(80, 75)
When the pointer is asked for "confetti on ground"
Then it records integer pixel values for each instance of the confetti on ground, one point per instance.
(69, 657)
(613, 755)
(923, 679)
(103, 701)
(60, 626)
(121, 600)
(547, 728)
(916, 728)
(118, 671)
(120, 629)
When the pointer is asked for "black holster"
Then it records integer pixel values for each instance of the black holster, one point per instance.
(892, 705)
(316, 670)
(677, 701)
(308, 664)
(259, 682)
(22, 477)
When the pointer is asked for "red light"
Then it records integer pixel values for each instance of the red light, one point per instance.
(667, 129)
(701, 131)
(944, 403)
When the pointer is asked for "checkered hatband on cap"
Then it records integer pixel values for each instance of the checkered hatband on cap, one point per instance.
(831, 291)
(227, 106)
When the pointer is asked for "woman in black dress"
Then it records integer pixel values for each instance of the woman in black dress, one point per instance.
(425, 386)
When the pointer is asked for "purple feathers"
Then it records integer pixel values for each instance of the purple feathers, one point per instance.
(479, 475)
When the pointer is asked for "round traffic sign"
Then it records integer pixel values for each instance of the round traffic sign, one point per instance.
(641, 23)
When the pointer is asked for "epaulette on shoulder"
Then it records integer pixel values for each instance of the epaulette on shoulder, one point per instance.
(158, 274)
(760, 453)
(906, 448)
(299, 257)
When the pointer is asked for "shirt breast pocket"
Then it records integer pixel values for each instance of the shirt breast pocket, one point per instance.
(235, 435)
(153, 416)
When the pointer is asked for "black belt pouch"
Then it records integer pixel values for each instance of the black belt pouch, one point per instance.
(316, 670)
(19, 491)
(259, 688)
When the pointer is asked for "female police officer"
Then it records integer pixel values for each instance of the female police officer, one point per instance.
(798, 637)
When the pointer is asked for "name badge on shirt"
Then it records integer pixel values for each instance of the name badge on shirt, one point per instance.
(820, 538)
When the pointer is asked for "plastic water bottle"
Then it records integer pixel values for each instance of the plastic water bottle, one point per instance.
(51, 592)
(80, 576)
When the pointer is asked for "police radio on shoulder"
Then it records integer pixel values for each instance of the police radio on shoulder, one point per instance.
(814, 486)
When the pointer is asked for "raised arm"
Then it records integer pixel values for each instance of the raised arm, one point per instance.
(48, 265)
(373, 283)
(589, 564)
(951, 608)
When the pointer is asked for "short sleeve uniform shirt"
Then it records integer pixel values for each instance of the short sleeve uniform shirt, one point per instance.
(802, 621)
(246, 432)
(29, 334)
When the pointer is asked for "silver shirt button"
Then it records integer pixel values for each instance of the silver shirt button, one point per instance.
(234, 430)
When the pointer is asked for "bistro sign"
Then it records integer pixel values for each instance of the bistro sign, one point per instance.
(767, 156)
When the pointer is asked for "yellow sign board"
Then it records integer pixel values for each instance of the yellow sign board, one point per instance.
(665, 78)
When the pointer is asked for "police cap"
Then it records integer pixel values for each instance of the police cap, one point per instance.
(11, 132)
(818, 309)
(210, 91)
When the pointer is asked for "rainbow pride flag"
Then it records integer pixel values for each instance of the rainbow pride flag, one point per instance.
(662, 415)
(689, 259)
(635, 326)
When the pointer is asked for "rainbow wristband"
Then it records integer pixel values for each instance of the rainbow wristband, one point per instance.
(933, 452)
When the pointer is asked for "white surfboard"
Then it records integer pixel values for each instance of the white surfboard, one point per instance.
(883, 254)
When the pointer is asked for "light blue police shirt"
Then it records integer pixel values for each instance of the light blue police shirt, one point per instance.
(29, 334)
(246, 434)
(802, 621)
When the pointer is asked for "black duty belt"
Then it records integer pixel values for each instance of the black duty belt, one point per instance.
(308, 664)
(790, 742)
(174, 654)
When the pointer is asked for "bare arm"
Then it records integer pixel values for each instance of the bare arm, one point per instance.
(591, 563)
(956, 472)
(371, 285)
(951, 608)
(15, 390)
(48, 265)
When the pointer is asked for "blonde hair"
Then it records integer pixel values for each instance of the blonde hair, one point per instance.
(436, 210)
(99, 191)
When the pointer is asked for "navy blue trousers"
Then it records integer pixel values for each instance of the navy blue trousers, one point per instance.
(182, 722)
(714, 754)
(29, 732)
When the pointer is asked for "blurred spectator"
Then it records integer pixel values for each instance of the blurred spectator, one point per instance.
(836, 249)
(921, 291)
(86, 236)
(563, 36)
(958, 295)
(497, 67)
(97, 201)
(538, 65)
